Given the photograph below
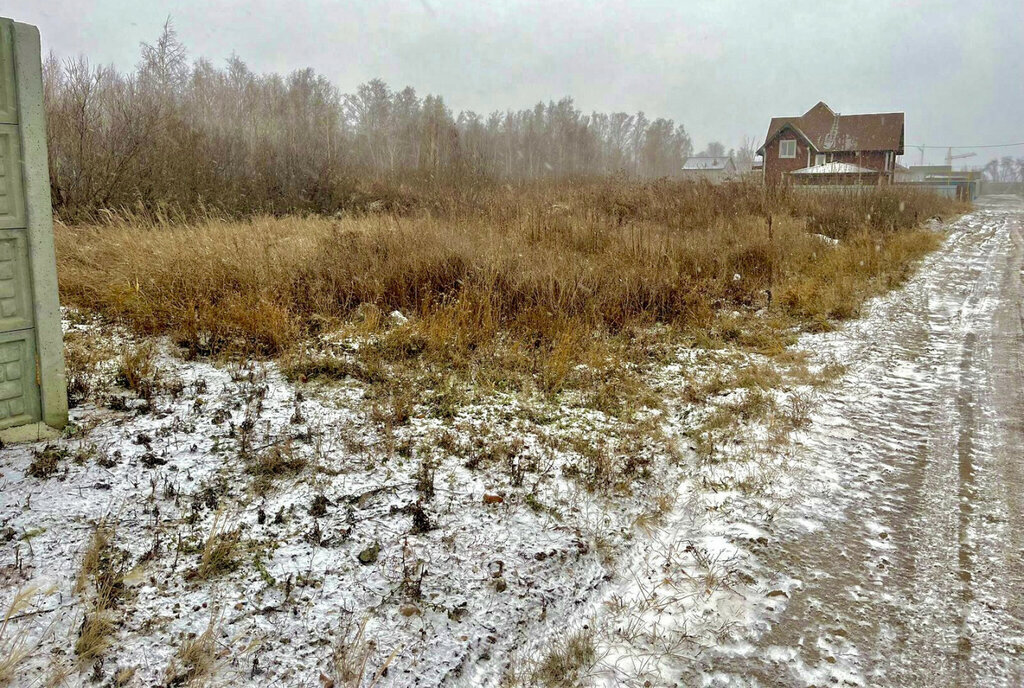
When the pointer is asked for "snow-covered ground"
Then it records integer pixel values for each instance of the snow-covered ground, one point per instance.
(443, 551)
(482, 548)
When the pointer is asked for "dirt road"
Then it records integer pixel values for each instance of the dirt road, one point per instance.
(916, 575)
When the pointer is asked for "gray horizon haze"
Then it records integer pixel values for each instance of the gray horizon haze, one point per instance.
(721, 69)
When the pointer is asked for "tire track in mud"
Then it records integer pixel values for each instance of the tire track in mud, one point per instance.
(965, 446)
(916, 575)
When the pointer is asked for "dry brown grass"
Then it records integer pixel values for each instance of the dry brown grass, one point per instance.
(101, 580)
(196, 659)
(84, 356)
(137, 370)
(221, 550)
(564, 666)
(273, 463)
(15, 645)
(93, 637)
(508, 281)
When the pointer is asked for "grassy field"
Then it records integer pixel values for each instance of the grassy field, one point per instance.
(582, 383)
(515, 286)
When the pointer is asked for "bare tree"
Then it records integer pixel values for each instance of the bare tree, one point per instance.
(172, 133)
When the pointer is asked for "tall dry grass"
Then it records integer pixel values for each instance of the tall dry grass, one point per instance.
(548, 268)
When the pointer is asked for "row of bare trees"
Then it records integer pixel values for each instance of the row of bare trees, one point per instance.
(1004, 169)
(175, 133)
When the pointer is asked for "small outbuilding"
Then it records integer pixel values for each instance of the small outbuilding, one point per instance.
(709, 168)
(943, 180)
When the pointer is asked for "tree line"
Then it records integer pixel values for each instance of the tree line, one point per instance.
(1004, 169)
(179, 134)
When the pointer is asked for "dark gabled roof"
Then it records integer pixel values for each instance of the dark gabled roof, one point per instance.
(828, 131)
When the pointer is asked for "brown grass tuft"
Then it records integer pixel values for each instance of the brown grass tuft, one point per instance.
(567, 662)
(137, 370)
(101, 580)
(220, 552)
(196, 660)
(15, 646)
(272, 463)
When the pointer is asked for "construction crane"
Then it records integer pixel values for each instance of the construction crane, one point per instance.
(950, 157)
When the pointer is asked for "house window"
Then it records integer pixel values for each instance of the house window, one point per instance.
(787, 149)
(819, 158)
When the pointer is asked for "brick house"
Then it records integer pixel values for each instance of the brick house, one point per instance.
(821, 136)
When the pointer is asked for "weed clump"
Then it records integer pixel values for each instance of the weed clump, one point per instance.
(195, 660)
(101, 579)
(567, 662)
(84, 354)
(273, 463)
(137, 371)
(47, 461)
(221, 551)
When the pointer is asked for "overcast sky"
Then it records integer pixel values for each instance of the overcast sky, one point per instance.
(722, 68)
